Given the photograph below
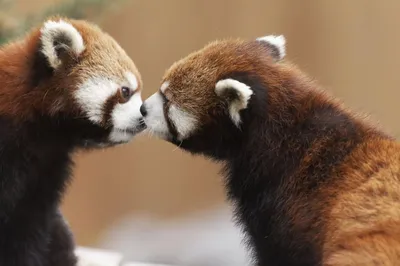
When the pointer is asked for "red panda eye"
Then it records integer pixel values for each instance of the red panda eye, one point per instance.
(125, 94)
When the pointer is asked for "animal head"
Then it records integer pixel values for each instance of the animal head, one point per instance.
(204, 100)
(70, 70)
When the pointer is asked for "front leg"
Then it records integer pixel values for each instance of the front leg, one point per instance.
(62, 244)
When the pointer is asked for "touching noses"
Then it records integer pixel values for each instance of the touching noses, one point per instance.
(143, 110)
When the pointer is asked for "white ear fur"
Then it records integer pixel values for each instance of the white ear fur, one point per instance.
(277, 41)
(242, 95)
(60, 31)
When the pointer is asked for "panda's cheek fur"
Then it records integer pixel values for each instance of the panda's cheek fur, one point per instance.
(184, 123)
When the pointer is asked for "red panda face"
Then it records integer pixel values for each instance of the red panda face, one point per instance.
(202, 93)
(73, 69)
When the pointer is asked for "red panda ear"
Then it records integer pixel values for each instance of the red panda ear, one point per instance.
(60, 39)
(277, 44)
(237, 94)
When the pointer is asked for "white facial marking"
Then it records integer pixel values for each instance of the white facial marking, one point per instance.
(164, 86)
(155, 119)
(125, 119)
(51, 31)
(92, 95)
(185, 123)
(243, 93)
(277, 41)
(132, 80)
(123, 116)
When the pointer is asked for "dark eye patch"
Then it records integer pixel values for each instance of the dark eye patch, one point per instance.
(166, 103)
(165, 100)
(171, 126)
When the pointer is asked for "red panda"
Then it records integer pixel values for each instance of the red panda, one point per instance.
(312, 182)
(66, 85)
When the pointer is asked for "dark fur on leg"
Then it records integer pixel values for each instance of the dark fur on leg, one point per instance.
(62, 244)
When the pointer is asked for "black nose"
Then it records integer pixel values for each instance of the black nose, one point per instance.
(143, 110)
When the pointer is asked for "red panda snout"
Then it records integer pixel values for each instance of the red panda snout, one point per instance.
(111, 104)
(166, 119)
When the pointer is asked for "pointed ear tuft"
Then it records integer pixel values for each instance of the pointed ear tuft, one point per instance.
(237, 94)
(277, 43)
(59, 39)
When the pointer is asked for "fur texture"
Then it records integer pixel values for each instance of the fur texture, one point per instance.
(313, 184)
(43, 121)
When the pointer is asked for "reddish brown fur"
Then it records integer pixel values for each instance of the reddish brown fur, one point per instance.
(198, 73)
(364, 220)
(353, 216)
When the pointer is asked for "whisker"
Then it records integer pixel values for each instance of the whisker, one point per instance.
(178, 146)
(45, 95)
(149, 132)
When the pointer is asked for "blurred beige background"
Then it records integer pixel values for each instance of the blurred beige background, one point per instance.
(351, 47)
